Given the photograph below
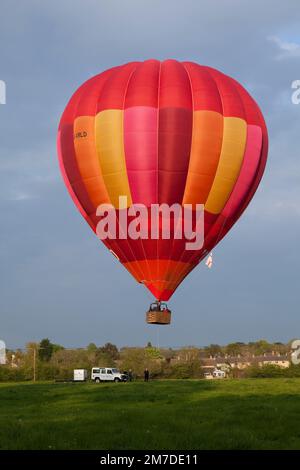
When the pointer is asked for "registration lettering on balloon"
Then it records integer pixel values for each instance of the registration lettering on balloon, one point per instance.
(80, 135)
(149, 136)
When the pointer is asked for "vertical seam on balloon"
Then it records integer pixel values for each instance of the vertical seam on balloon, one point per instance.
(110, 243)
(259, 171)
(222, 106)
(177, 266)
(98, 100)
(123, 110)
(98, 163)
(207, 69)
(140, 239)
(243, 205)
(116, 70)
(123, 107)
(247, 133)
(193, 255)
(219, 235)
(240, 169)
(75, 153)
(115, 241)
(74, 114)
(193, 123)
(157, 164)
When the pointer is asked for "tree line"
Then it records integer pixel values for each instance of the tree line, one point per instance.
(50, 361)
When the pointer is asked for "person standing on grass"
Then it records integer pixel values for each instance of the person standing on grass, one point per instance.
(130, 375)
(146, 375)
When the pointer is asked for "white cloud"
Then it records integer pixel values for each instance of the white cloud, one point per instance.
(20, 196)
(287, 49)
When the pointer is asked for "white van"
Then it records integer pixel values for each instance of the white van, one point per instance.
(107, 374)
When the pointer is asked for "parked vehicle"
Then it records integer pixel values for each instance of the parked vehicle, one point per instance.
(208, 375)
(216, 374)
(219, 374)
(80, 375)
(107, 374)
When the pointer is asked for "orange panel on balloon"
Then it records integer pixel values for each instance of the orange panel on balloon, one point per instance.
(88, 161)
(205, 154)
(161, 269)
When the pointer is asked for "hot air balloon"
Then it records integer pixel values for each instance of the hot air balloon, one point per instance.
(168, 132)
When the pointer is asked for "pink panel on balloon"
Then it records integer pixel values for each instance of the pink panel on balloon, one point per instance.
(140, 141)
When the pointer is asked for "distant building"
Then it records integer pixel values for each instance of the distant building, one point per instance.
(242, 362)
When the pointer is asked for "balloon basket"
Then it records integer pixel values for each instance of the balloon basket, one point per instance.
(158, 314)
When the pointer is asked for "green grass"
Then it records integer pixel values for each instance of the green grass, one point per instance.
(179, 414)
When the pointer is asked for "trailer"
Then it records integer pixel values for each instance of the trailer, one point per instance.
(80, 375)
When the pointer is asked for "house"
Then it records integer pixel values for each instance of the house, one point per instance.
(280, 361)
(242, 362)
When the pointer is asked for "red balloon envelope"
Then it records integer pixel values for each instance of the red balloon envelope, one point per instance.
(163, 132)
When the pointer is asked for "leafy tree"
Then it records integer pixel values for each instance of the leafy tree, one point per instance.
(103, 359)
(110, 350)
(214, 350)
(92, 347)
(152, 352)
(30, 346)
(261, 347)
(57, 347)
(45, 350)
(184, 370)
(233, 349)
(138, 359)
(266, 371)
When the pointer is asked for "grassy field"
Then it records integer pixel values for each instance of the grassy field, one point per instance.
(179, 414)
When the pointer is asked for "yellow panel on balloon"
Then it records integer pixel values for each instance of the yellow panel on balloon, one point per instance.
(204, 157)
(110, 148)
(231, 159)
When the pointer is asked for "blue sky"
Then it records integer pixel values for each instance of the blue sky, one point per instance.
(57, 279)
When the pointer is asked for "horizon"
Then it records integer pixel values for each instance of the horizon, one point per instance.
(154, 345)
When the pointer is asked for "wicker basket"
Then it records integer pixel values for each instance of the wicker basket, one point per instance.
(156, 317)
